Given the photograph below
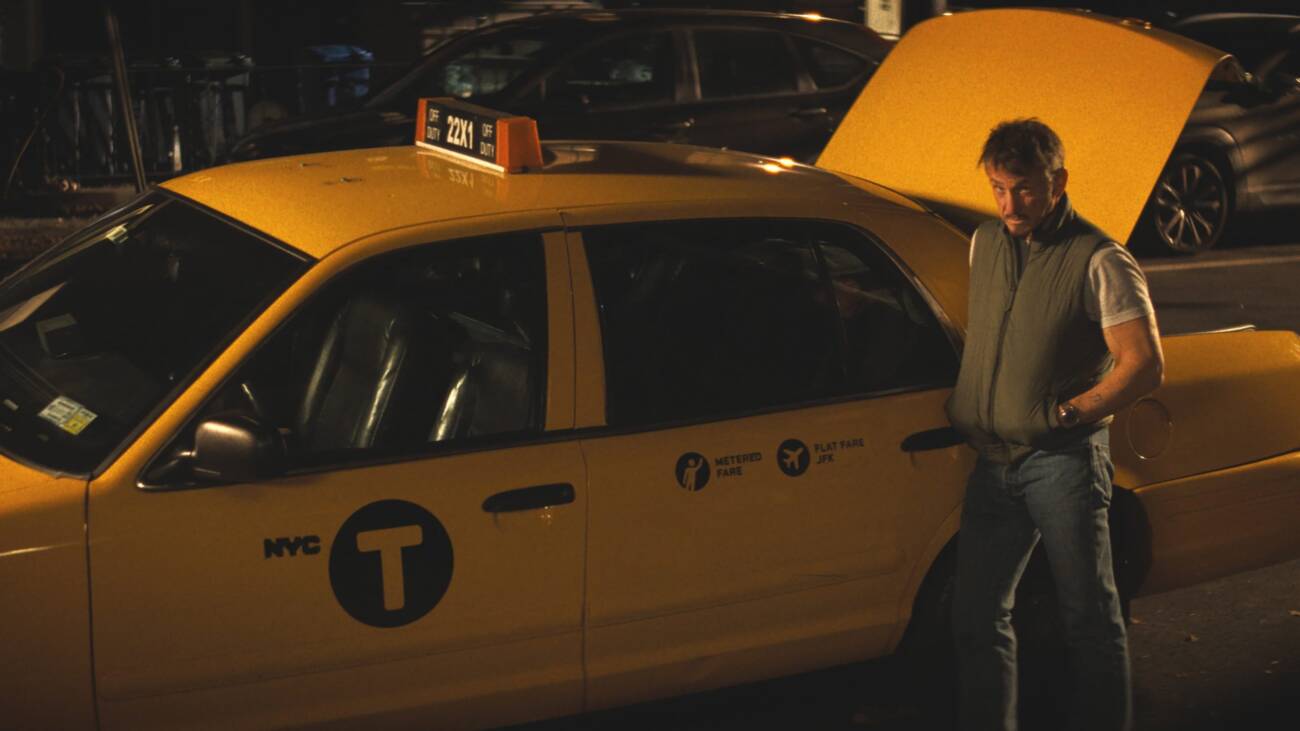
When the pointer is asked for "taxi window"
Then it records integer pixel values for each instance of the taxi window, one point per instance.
(439, 344)
(629, 70)
(705, 319)
(743, 63)
(105, 329)
(708, 318)
(892, 337)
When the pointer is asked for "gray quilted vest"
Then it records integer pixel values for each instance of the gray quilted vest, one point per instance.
(1029, 343)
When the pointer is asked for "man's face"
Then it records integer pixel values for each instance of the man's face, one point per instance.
(1024, 200)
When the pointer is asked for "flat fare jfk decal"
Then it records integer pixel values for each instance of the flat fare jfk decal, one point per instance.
(462, 132)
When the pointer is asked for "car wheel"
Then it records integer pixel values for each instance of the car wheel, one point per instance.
(1190, 205)
(927, 661)
(928, 656)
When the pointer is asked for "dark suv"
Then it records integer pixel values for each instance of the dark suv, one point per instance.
(770, 83)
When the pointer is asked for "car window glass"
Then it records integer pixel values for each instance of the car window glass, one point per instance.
(485, 67)
(828, 65)
(707, 318)
(433, 345)
(1288, 64)
(105, 328)
(742, 63)
(634, 69)
(893, 339)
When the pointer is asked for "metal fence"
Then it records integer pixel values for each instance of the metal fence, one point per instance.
(62, 128)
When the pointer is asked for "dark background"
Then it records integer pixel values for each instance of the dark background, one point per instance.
(205, 72)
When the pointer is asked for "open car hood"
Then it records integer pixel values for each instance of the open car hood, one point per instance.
(1116, 91)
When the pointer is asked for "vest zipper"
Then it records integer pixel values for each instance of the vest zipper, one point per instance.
(1016, 272)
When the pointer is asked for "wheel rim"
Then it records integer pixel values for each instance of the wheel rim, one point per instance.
(1190, 205)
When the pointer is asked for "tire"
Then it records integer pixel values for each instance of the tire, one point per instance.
(1190, 205)
(926, 656)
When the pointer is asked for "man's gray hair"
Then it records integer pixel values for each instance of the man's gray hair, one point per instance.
(1021, 145)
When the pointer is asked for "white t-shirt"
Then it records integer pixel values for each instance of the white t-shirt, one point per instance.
(1117, 289)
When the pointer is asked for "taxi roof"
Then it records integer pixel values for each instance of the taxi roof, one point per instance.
(318, 203)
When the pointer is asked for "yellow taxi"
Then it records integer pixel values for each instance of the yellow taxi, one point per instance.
(476, 430)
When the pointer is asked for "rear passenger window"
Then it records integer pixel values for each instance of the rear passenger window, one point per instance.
(828, 65)
(743, 63)
(709, 318)
(705, 319)
(892, 337)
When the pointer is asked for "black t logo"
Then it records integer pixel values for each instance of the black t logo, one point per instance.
(390, 564)
(692, 471)
(792, 457)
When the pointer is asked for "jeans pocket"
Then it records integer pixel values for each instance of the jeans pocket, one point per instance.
(1103, 472)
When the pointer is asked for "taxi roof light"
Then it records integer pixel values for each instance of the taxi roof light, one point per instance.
(500, 141)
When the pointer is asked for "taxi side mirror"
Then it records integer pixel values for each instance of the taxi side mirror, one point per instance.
(236, 448)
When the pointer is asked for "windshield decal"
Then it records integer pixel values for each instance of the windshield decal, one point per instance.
(117, 233)
(68, 415)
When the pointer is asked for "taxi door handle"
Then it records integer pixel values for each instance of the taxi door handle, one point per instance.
(810, 112)
(940, 438)
(529, 498)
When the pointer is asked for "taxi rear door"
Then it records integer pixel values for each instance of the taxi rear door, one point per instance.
(753, 512)
(434, 581)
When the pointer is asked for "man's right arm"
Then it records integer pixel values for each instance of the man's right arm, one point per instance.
(1139, 370)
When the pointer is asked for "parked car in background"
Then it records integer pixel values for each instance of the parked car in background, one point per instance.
(1240, 150)
(771, 83)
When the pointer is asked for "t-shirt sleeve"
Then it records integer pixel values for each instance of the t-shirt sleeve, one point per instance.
(1117, 289)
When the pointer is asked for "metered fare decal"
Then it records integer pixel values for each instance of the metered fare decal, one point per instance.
(792, 456)
(390, 563)
(694, 470)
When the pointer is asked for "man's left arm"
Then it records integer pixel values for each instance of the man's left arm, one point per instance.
(1139, 369)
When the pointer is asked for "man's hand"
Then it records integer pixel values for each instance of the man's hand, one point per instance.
(1139, 370)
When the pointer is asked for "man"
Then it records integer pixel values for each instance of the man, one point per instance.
(1061, 336)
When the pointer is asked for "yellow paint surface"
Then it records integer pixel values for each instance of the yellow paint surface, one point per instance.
(1117, 94)
(318, 203)
(44, 617)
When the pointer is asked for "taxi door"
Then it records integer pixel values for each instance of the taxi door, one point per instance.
(436, 584)
(753, 512)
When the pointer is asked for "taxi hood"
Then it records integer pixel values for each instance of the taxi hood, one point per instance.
(1116, 91)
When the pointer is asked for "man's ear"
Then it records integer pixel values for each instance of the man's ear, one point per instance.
(1058, 182)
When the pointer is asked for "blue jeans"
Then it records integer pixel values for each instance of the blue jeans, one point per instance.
(1061, 496)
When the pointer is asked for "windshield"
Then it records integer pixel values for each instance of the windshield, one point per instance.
(100, 333)
(475, 67)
